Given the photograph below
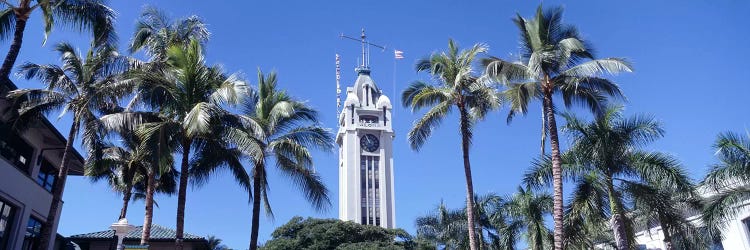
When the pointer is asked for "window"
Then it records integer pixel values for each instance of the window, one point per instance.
(47, 176)
(368, 121)
(33, 229)
(716, 244)
(369, 189)
(6, 222)
(16, 150)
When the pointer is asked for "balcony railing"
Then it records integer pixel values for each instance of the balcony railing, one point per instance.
(15, 150)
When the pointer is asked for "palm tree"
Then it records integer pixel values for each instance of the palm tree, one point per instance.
(280, 129)
(188, 98)
(214, 243)
(145, 168)
(586, 224)
(82, 87)
(727, 182)
(176, 52)
(91, 15)
(659, 205)
(455, 86)
(555, 60)
(607, 154)
(447, 227)
(155, 32)
(528, 209)
(120, 170)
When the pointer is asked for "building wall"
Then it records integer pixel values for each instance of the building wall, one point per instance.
(19, 188)
(160, 245)
(26, 196)
(366, 101)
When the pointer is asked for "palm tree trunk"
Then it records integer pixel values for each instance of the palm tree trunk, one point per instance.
(22, 15)
(544, 133)
(256, 207)
(667, 235)
(45, 239)
(148, 217)
(467, 173)
(557, 213)
(617, 222)
(182, 194)
(125, 201)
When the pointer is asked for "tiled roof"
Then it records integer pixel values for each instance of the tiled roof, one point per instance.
(157, 233)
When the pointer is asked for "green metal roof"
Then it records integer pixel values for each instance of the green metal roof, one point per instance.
(157, 233)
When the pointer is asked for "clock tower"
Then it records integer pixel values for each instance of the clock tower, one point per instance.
(365, 140)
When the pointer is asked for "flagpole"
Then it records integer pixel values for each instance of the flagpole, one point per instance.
(395, 97)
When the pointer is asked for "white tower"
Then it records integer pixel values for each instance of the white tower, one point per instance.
(365, 140)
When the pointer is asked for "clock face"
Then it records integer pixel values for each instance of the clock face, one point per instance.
(369, 143)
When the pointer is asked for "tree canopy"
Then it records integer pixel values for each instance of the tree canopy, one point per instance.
(312, 234)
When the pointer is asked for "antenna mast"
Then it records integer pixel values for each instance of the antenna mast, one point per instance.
(365, 49)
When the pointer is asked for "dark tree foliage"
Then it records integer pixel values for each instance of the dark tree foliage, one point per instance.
(313, 234)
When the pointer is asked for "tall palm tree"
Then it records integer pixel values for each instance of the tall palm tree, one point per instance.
(728, 181)
(528, 210)
(279, 129)
(81, 87)
(607, 153)
(188, 98)
(455, 86)
(555, 60)
(91, 15)
(164, 39)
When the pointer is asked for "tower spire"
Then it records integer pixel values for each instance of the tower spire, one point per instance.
(364, 67)
(364, 50)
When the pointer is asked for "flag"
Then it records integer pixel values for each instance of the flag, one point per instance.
(398, 54)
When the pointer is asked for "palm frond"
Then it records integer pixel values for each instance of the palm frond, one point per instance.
(123, 122)
(724, 206)
(733, 169)
(423, 127)
(200, 119)
(310, 137)
(305, 179)
(421, 94)
(599, 66)
(660, 168)
(7, 23)
(52, 76)
(86, 15)
(481, 98)
(213, 157)
(519, 95)
(506, 72)
(540, 172)
(231, 91)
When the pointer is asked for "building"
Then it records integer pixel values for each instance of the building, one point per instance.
(28, 169)
(161, 238)
(365, 140)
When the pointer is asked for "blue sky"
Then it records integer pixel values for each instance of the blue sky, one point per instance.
(691, 73)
